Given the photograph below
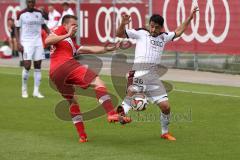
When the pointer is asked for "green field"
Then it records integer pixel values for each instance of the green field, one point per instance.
(207, 126)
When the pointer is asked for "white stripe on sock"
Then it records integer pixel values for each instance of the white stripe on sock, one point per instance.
(77, 119)
(103, 99)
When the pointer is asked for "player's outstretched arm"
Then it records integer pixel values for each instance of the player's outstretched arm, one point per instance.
(121, 28)
(53, 38)
(98, 49)
(180, 29)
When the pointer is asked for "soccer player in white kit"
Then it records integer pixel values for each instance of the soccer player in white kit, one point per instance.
(144, 76)
(29, 25)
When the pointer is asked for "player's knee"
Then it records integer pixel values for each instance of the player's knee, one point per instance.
(72, 99)
(37, 65)
(98, 82)
(27, 65)
(165, 107)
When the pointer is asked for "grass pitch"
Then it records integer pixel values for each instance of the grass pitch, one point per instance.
(206, 126)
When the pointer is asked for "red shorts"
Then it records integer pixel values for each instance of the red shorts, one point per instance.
(71, 74)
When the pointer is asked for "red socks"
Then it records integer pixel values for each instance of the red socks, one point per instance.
(77, 120)
(105, 100)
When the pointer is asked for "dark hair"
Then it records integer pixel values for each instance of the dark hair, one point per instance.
(67, 17)
(31, 0)
(156, 18)
(65, 4)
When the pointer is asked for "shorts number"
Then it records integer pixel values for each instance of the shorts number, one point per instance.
(138, 80)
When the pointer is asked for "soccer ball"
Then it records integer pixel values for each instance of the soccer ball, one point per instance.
(139, 102)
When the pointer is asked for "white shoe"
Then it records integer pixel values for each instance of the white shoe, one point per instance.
(24, 93)
(38, 95)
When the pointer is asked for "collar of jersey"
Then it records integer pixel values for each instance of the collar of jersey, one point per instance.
(157, 35)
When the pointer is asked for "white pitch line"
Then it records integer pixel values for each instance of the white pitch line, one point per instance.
(207, 93)
(177, 90)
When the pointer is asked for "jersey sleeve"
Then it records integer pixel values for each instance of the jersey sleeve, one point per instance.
(132, 33)
(169, 36)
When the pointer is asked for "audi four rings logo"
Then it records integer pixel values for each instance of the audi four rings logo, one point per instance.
(209, 27)
(108, 20)
(10, 10)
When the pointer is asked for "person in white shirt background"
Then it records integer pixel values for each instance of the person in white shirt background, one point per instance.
(29, 23)
(54, 16)
(66, 10)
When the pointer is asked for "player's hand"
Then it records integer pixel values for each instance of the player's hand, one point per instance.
(72, 31)
(113, 47)
(126, 19)
(193, 12)
(20, 47)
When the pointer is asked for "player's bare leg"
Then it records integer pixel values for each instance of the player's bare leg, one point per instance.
(165, 120)
(37, 79)
(105, 100)
(25, 76)
(77, 119)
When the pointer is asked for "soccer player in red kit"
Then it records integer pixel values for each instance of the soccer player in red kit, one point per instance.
(65, 72)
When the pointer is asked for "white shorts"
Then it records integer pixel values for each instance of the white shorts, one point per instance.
(150, 84)
(34, 53)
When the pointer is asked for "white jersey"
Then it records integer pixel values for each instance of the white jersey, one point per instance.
(30, 24)
(149, 49)
(54, 18)
(67, 12)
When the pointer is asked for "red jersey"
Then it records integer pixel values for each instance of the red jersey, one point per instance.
(62, 51)
(44, 36)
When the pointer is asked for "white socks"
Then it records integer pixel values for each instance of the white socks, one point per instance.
(37, 80)
(126, 104)
(25, 75)
(165, 119)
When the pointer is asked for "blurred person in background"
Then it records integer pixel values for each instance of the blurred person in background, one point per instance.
(44, 13)
(44, 33)
(67, 10)
(12, 38)
(54, 17)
